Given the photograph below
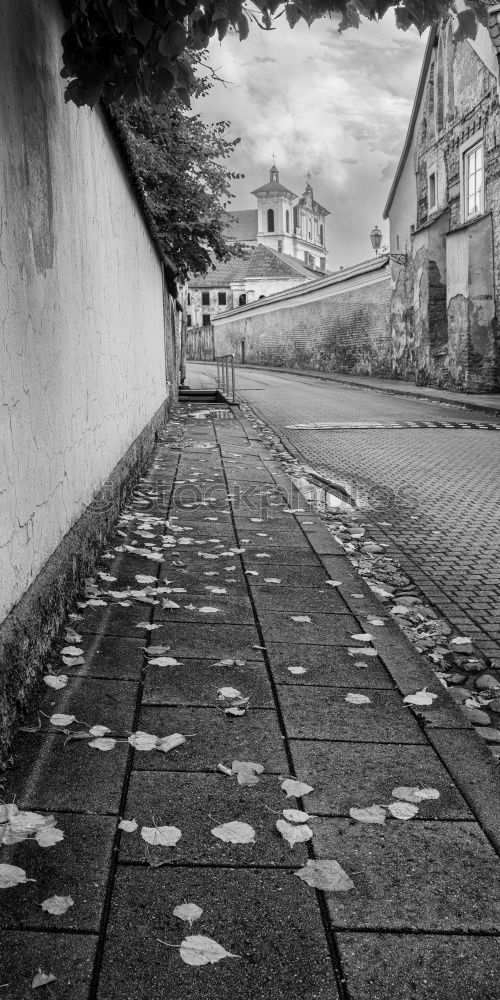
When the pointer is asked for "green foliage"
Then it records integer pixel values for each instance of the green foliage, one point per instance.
(180, 162)
(124, 49)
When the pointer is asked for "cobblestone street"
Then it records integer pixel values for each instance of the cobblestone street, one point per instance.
(435, 486)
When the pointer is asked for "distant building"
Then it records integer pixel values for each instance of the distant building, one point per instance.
(444, 210)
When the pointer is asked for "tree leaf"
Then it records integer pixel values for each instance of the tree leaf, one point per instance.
(246, 771)
(57, 905)
(128, 825)
(414, 793)
(229, 692)
(99, 730)
(188, 912)
(56, 681)
(71, 651)
(402, 810)
(196, 949)
(297, 670)
(294, 834)
(295, 815)
(292, 787)
(167, 743)
(357, 699)
(326, 875)
(59, 719)
(49, 836)
(423, 697)
(301, 619)
(164, 661)
(103, 743)
(143, 741)
(362, 637)
(370, 814)
(41, 979)
(235, 832)
(10, 875)
(161, 836)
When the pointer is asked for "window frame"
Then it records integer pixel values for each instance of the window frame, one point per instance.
(222, 298)
(206, 316)
(466, 175)
(432, 173)
(270, 220)
(205, 298)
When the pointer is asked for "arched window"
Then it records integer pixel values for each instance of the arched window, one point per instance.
(287, 217)
(321, 236)
(270, 220)
(242, 300)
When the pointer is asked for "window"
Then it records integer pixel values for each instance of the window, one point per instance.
(397, 242)
(280, 246)
(270, 220)
(432, 190)
(188, 319)
(287, 218)
(242, 301)
(206, 319)
(321, 236)
(189, 299)
(295, 217)
(222, 298)
(473, 177)
(205, 298)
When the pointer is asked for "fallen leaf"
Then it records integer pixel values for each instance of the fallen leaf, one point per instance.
(296, 788)
(188, 912)
(143, 741)
(164, 661)
(145, 578)
(246, 771)
(357, 699)
(272, 579)
(72, 636)
(235, 710)
(169, 604)
(11, 875)
(376, 621)
(334, 583)
(49, 836)
(402, 810)
(161, 836)
(235, 833)
(41, 979)
(414, 794)
(302, 619)
(167, 743)
(56, 681)
(229, 692)
(73, 661)
(362, 637)
(58, 719)
(361, 651)
(128, 825)
(147, 626)
(99, 730)
(423, 697)
(294, 834)
(57, 905)
(297, 670)
(326, 875)
(370, 814)
(200, 950)
(103, 743)
(295, 815)
(155, 650)
(71, 651)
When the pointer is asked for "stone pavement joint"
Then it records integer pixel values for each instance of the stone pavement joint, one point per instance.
(423, 918)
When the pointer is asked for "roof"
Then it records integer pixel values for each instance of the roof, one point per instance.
(413, 119)
(381, 263)
(260, 262)
(315, 204)
(273, 187)
(243, 225)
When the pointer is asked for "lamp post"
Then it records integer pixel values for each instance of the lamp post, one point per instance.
(376, 238)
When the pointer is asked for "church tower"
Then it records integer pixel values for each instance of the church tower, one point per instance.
(275, 214)
(309, 229)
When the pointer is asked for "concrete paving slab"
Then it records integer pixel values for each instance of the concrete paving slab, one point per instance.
(323, 713)
(109, 658)
(70, 957)
(48, 775)
(115, 620)
(196, 803)
(268, 918)
(276, 597)
(207, 641)
(217, 737)
(236, 611)
(438, 966)
(92, 701)
(256, 541)
(196, 682)
(475, 771)
(361, 774)
(326, 630)
(285, 556)
(206, 572)
(411, 876)
(329, 666)
(77, 866)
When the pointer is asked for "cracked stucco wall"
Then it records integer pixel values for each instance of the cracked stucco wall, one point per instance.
(82, 354)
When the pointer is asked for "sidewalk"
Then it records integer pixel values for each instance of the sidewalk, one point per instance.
(211, 592)
(471, 401)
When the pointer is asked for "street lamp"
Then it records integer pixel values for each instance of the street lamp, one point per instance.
(376, 238)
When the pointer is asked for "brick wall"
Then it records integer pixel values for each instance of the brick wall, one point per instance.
(342, 327)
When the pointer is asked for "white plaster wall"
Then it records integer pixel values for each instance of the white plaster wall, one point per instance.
(82, 363)
(255, 287)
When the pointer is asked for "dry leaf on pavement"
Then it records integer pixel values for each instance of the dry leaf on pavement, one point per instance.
(128, 825)
(42, 978)
(59, 719)
(161, 836)
(297, 670)
(296, 815)
(357, 699)
(297, 788)
(143, 741)
(103, 743)
(188, 912)
(423, 697)
(57, 905)
(326, 875)
(362, 637)
(56, 681)
(167, 743)
(370, 814)
(402, 810)
(301, 619)
(294, 834)
(200, 950)
(414, 793)
(99, 730)
(246, 771)
(11, 875)
(235, 833)
(49, 836)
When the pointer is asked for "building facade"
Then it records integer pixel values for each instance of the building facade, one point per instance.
(444, 213)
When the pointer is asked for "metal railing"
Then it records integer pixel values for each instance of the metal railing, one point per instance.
(225, 376)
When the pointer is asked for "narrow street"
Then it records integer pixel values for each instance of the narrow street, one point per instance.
(429, 486)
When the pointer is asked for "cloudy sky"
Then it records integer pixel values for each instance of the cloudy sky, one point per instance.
(337, 105)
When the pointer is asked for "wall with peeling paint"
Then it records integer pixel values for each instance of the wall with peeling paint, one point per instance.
(82, 352)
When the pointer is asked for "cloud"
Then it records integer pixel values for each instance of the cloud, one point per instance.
(337, 105)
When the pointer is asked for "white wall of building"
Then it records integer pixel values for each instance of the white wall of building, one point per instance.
(82, 361)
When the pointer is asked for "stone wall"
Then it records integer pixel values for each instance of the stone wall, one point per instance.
(335, 325)
(84, 337)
